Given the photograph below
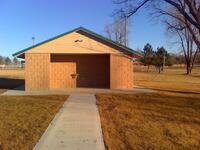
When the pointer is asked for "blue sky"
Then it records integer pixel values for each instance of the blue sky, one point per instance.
(43, 19)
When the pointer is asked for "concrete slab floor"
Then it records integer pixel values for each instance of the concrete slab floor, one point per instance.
(76, 126)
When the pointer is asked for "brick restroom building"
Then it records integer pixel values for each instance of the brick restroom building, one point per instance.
(79, 58)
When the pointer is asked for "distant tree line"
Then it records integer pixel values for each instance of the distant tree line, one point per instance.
(161, 58)
(8, 61)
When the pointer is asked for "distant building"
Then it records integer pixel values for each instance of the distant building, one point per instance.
(136, 59)
(2, 66)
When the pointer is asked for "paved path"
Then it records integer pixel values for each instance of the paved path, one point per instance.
(75, 127)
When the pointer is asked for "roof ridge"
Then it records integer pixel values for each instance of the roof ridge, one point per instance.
(114, 42)
(85, 30)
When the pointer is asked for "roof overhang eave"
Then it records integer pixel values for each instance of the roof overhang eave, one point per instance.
(19, 55)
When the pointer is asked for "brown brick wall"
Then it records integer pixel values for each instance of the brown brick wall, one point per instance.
(37, 71)
(121, 72)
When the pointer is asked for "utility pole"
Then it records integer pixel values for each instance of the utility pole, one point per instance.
(125, 21)
(33, 40)
(126, 38)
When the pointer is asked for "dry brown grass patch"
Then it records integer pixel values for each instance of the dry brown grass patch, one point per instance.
(25, 118)
(172, 79)
(150, 121)
(12, 73)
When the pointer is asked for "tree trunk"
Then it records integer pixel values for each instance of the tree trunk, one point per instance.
(189, 69)
(148, 68)
(159, 70)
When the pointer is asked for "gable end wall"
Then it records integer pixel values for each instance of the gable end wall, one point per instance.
(67, 45)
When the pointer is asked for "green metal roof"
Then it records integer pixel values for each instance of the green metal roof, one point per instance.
(84, 30)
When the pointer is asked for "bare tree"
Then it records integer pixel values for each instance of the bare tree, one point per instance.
(189, 48)
(118, 31)
(7, 61)
(181, 16)
(188, 10)
(2, 60)
(198, 59)
(186, 39)
(109, 31)
(15, 61)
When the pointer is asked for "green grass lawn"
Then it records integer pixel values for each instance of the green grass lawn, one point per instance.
(25, 118)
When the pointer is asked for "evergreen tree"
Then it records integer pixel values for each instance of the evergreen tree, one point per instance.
(161, 59)
(148, 55)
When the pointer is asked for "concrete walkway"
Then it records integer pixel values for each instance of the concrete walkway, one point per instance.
(76, 126)
(20, 91)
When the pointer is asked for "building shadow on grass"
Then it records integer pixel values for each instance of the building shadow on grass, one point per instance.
(14, 84)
